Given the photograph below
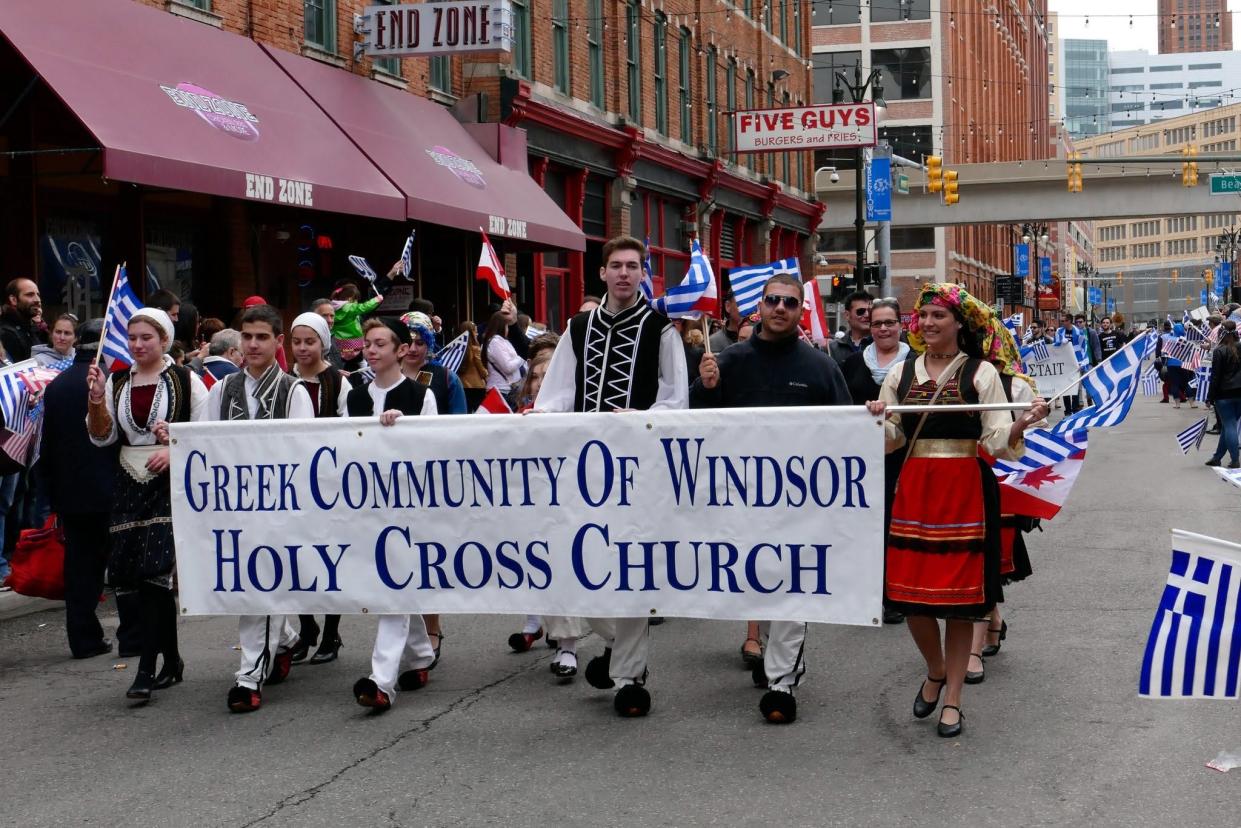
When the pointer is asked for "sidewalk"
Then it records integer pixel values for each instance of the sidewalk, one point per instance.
(13, 605)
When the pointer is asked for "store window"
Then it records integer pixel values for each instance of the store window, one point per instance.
(320, 24)
(906, 73)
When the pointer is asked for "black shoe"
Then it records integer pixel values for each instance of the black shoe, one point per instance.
(891, 616)
(924, 708)
(749, 659)
(368, 694)
(1214, 461)
(552, 643)
(522, 642)
(307, 637)
(128, 652)
(439, 642)
(1212, 431)
(994, 649)
(141, 689)
(102, 648)
(244, 699)
(170, 674)
(561, 670)
(327, 651)
(1165, 402)
(778, 708)
(976, 676)
(598, 671)
(953, 730)
(632, 701)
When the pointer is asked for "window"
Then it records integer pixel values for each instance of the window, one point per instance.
(835, 12)
(1128, 70)
(1194, 66)
(884, 11)
(784, 20)
(687, 64)
(712, 114)
(826, 64)
(913, 238)
(320, 23)
(205, 5)
(796, 44)
(659, 219)
(748, 8)
(440, 76)
(767, 14)
(749, 104)
(560, 44)
(785, 156)
(595, 207)
(908, 142)
(594, 49)
(1167, 68)
(660, 27)
(1165, 105)
(387, 65)
(634, 59)
(1201, 84)
(771, 104)
(1167, 86)
(906, 72)
(730, 94)
(521, 38)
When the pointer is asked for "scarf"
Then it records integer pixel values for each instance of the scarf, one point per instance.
(870, 355)
(272, 394)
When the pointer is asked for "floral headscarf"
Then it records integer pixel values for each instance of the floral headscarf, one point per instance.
(994, 339)
(419, 324)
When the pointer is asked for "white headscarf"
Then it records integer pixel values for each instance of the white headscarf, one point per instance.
(316, 323)
(160, 320)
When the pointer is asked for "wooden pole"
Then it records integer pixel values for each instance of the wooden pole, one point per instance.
(957, 409)
(706, 333)
(103, 337)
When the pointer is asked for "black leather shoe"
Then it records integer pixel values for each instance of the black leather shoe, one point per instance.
(170, 674)
(141, 689)
(949, 731)
(924, 708)
(327, 651)
(994, 649)
(102, 648)
(976, 676)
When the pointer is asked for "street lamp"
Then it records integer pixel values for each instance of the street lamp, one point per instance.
(1033, 232)
(1085, 272)
(1226, 246)
(857, 91)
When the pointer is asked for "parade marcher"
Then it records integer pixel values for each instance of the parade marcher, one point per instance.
(1111, 339)
(637, 362)
(390, 396)
(504, 364)
(309, 339)
(1176, 378)
(857, 337)
(472, 372)
(58, 354)
(18, 331)
(262, 391)
(421, 367)
(224, 355)
(1072, 402)
(774, 368)
(1225, 394)
(727, 335)
(943, 556)
(79, 478)
(1094, 350)
(134, 408)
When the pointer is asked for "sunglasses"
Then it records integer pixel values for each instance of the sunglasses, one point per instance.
(773, 301)
(861, 311)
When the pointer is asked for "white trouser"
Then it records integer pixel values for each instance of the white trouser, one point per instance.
(257, 633)
(399, 638)
(784, 653)
(565, 626)
(628, 639)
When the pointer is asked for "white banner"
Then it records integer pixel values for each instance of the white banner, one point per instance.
(773, 513)
(1055, 374)
(824, 126)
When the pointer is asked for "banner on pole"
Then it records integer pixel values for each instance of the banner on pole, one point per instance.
(1055, 373)
(675, 513)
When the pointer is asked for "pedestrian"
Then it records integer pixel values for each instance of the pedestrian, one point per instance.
(1176, 377)
(504, 365)
(58, 354)
(1110, 338)
(391, 396)
(943, 556)
(79, 478)
(857, 318)
(261, 391)
(420, 365)
(1225, 394)
(18, 331)
(637, 362)
(727, 335)
(472, 372)
(1094, 350)
(347, 324)
(134, 408)
(1070, 334)
(774, 368)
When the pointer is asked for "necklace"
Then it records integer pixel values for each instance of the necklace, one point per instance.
(932, 355)
(156, 399)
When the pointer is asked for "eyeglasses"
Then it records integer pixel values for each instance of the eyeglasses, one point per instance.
(773, 301)
(885, 323)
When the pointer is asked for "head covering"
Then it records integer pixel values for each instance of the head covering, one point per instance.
(159, 319)
(995, 341)
(398, 328)
(419, 323)
(316, 323)
(253, 301)
(89, 334)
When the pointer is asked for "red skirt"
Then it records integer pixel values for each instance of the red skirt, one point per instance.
(943, 556)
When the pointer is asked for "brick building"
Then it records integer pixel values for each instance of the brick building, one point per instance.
(1198, 26)
(606, 117)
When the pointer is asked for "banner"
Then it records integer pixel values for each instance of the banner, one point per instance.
(1021, 255)
(1054, 374)
(879, 189)
(701, 514)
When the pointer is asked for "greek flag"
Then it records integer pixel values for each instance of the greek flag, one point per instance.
(1192, 652)
(14, 400)
(407, 256)
(1150, 381)
(1203, 376)
(1043, 448)
(364, 269)
(1193, 333)
(452, 354)
(647, 285)
(1113, 385)
(1192, 436)
(1078, 340)
(121, 309)
(695, 295)
(1036, 352)
(1232, 476)
(1014, 322)
(747, 282)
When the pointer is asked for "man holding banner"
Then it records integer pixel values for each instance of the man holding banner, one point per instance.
(774, 368)
(621, 356)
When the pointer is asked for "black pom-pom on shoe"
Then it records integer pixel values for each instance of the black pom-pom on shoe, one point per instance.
(778, 708)
(632, 701)
(598, 670)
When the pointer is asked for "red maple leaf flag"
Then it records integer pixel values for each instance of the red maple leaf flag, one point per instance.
(490, 270)
(1041, 492)
(493, 403)
(813, 321)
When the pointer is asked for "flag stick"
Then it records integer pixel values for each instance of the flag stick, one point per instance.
(107, 316)
(950, 409)
(706, 333)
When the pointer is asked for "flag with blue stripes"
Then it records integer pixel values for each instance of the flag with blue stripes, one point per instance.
(1192, 436)
(696, 293)
(1112, 385)
(1035, 352)
(121, 309)
(1078, 340)
(647, 285)
(1150, 381)
(1043, 448)
(407, 256)
(452, 354)
(1203, 376)
(1193, 333)
(747, 282)
(14, 400)
(1193, 650)
(363, 267)
(1179, 350)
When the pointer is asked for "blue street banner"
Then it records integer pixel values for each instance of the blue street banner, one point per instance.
(879, 189)
(1225, 276)
(1094, 295)
(1111, 305)
(1044, 270)
(1202, 296)
(1021, 257)
(672, 513)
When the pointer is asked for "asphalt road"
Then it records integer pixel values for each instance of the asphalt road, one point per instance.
(1055, 736)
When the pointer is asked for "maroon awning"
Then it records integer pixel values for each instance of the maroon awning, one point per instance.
(177, 104)
(446, 176)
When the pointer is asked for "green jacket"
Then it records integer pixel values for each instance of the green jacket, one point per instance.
(348, 322)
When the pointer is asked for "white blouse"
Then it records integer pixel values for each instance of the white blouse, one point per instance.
(198, 411)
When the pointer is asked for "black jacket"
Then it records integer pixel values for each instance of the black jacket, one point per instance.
(861, 383)
(758, 373)
(79, 475)
(18, 336)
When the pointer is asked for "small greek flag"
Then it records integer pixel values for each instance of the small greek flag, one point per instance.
(695, 295)
(1203, 376)
(14, 400)
(1150, 381)
(407, 256)
(364, 269)
(647, 285)
(1232, 476)
(452, 354)
(1193, 333)
(121, 309)
(1179, 350)
(1192, 651)
(747, 282)
(1036, 352)
(1192, 436)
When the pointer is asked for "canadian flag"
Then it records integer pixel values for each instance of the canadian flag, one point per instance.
(1040, 493)
(490, 269)
(493, 403)
(812, 319)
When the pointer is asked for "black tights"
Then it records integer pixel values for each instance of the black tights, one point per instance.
(158, 610)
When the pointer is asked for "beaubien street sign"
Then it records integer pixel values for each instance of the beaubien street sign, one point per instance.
(1225, 184)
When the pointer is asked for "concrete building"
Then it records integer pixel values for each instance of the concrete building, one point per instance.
(1084, 69)
(1155, 266)
(1143, 88)
(1197, 26)
(967, 86)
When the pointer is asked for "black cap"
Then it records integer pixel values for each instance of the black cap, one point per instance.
(399, 329)
(89, 332)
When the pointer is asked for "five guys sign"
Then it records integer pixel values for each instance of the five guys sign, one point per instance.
(824, 126)
(432, 28)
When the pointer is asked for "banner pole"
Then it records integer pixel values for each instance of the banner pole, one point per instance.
(959, 409)
(706, 333)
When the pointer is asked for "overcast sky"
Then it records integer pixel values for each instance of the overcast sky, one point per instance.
(1109, 20)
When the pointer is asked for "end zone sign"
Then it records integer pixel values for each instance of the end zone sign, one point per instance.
(825, 126)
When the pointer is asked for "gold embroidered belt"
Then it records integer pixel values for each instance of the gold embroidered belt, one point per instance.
(944, 448)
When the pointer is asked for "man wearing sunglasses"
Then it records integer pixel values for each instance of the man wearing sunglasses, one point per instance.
(773, 368)
(857, 316)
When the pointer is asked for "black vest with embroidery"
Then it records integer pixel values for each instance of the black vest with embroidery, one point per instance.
(617, 357)
(407, 397)
(179, 385)
(957, 390)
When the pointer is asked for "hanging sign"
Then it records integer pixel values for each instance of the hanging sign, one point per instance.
(805, 127)
(427, 29)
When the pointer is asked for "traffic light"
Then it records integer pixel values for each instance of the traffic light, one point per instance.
(839, 288)
(934, 173)
(1189, 167)
(1075, 172)
(950, 188)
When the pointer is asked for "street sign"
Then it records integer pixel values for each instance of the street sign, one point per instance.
(1225, 183)
(879, 189)
(1021, 253)
(1202, 296)
(1009, 290)
(1094, 295)
(1111, 305)
(902, 183)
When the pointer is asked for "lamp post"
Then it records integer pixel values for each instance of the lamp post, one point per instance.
(1084, 273)
(857, 91)
(1034, 234)
(1226, 246)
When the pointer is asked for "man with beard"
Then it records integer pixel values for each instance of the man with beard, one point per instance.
(18, 333)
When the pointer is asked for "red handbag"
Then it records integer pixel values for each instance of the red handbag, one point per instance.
(38, 562)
